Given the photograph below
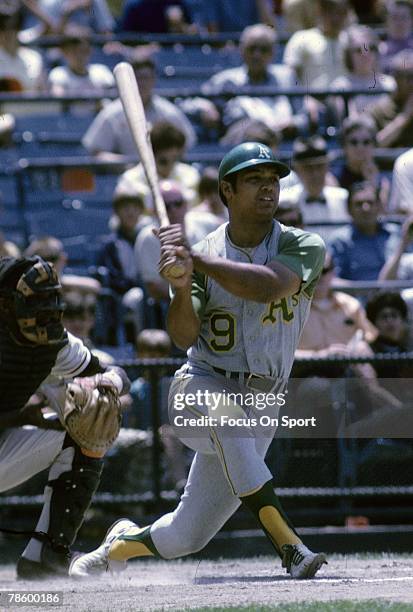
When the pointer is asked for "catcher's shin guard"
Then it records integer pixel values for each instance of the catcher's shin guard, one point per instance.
(68, 496)
(71, 497)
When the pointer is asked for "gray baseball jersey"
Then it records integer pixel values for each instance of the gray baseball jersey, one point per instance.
(245, 336)
(236, 335)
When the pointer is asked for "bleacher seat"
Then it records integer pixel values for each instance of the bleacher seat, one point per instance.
(203, 56)
(57, 122)
(56, 134)
(68, 222)
(12, 225)
(8, 189)
(67, 186)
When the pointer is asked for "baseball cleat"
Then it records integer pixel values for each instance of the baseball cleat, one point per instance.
(300, 561)
(27, 569)
(97, 561)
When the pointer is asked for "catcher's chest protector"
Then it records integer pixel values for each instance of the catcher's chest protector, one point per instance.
(22, 370)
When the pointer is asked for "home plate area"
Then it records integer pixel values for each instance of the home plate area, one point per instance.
(191, 584)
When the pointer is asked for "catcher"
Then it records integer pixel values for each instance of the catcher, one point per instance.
(38, 354)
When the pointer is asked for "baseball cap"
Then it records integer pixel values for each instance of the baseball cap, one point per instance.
(310, 150)
(127, 192)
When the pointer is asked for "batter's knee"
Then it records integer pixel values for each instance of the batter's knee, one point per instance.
(195, 542)
(173, 541)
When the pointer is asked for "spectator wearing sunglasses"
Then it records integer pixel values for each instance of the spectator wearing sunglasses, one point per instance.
(362, 61)
(147, 247)
(168, 144)
(80, 294)
(359, 139)
(257, 47)
(393, 113)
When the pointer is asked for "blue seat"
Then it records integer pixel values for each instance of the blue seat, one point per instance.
(54, 122)
(68, 223)
(12, 225)
(77, 251)
(8, 190)
(199, 56)
(68, 187)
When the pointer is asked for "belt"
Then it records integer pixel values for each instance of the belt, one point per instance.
(256, 381)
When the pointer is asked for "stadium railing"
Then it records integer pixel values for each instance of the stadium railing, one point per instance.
(172, 93)
(343, 496)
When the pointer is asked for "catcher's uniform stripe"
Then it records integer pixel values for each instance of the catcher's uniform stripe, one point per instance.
(72, 359)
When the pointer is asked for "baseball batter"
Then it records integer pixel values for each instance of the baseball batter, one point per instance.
(239, 308)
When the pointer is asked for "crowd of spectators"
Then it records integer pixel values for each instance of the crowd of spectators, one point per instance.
(360, 54)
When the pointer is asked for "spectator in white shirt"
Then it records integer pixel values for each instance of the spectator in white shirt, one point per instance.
(402, 184)
(317, 200)
(79, 77)
(21, 68)
(362, 60)
(109, 136)
(257, 48)
(317, 54)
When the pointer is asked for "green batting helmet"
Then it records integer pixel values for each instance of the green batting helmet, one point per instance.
(250, 154)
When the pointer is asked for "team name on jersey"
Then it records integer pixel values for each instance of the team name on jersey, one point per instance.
(285, 306)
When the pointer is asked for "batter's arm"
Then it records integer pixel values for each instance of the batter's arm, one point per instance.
(183, 323)
(249, 281)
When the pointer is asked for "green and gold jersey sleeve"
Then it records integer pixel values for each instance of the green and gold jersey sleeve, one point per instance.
(198, 293)
(303, 253)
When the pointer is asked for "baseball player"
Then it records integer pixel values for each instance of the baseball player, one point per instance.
(239, 307)
(35, 349)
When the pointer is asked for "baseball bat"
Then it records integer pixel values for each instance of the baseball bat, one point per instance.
(135, 114)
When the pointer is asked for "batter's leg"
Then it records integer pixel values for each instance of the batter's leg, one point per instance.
(206, 504)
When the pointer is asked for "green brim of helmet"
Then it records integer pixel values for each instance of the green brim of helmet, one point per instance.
(281, 168)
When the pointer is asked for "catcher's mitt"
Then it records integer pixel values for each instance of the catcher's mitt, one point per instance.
(92, 416)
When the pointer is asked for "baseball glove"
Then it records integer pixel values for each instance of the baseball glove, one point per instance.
(92, 416)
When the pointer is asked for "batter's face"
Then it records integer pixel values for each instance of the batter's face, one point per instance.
(255, 194)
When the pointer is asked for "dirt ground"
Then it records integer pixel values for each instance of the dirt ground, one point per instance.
(190, 584)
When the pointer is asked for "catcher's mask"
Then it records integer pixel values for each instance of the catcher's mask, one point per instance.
(36, 301)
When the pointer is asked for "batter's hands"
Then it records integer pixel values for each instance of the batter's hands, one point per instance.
(172, 256)
(175, 251)
(171, 235)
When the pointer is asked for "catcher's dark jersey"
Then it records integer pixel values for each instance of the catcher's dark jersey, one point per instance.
(23, 368)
